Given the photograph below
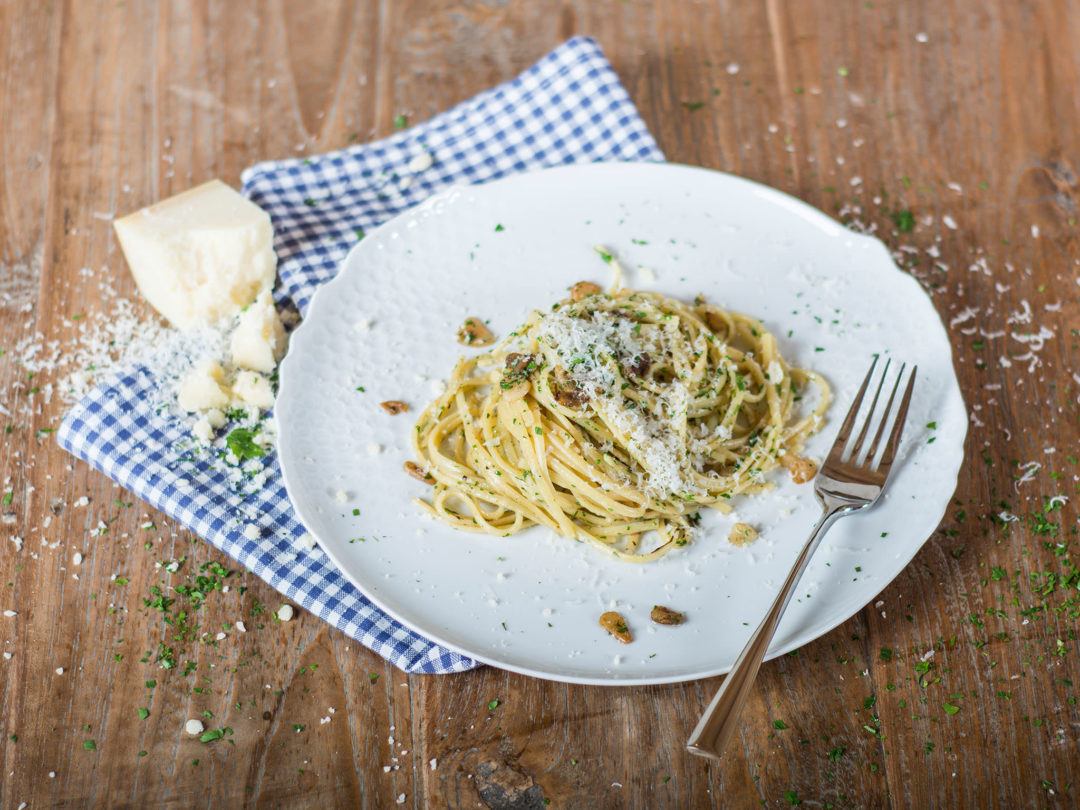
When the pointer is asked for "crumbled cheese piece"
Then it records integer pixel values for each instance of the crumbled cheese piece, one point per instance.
(285, 613)
(204, 387)
(76, 558)
(220, 637)
(203, 431)
(433, 763)
(251, 532)
(194, 727)
(646, 274)
(259, 340)
(59, 670)
(421, 162)
(252, 388)
(341, 496)
(10, 613)
(215, 417)
(307, 541)
(374, 449)
(83, 501)
(7, 656)
(362, 325)
(200, 256)
(241, 627)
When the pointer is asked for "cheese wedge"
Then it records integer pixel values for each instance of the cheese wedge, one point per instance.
(200, 256)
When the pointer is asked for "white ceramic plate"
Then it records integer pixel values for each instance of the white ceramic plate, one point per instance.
(530, 603)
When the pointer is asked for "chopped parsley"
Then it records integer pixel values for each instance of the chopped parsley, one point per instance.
(241, 441)
(904, 220)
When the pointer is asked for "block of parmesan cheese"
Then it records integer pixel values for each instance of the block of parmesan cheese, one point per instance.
(200, 256)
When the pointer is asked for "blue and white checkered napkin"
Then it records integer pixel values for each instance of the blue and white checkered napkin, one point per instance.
(568, 108)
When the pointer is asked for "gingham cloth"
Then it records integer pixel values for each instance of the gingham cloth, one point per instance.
(568, 108)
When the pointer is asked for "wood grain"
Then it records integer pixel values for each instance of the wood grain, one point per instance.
(956, 688)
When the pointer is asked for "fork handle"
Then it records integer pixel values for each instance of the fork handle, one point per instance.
(721, 718)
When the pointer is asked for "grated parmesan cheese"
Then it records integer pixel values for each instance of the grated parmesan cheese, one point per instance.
(588, 348)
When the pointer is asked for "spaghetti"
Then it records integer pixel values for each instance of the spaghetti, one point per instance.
(610, 417)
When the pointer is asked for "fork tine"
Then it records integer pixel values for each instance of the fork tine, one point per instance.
(885, 417)
(856, 449)
(849, 422)
(898, 427)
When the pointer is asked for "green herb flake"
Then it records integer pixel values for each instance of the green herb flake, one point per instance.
(241, 441)
(143, 713)
(949, 708)
(493, 705)
(904, 220)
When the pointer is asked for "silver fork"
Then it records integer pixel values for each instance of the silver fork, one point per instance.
(848, 482)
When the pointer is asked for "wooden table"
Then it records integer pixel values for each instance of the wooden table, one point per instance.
(957, 689)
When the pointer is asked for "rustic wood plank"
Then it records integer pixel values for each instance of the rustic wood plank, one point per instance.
(963, 114)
